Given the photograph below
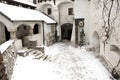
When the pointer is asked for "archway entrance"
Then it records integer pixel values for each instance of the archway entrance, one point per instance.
(96, 42)
(66, 31)
(22, 32)
(4, 34)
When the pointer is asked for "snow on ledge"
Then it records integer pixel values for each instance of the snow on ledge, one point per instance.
(5, 45)
(25, 2)
(15, 13)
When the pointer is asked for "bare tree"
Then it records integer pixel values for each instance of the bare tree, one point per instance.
(110, 12)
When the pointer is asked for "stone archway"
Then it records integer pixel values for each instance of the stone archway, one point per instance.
(4, 33)
(66, 31)
(96, 42)
(22, 32)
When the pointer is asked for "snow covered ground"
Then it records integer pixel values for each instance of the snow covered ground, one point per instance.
(65, 63)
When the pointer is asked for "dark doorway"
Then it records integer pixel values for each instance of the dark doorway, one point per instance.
(36, 29)
(7, 34)
(66, 31)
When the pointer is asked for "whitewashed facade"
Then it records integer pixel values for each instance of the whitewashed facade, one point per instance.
(109, 49)
(71, 16)
(96, 20)
(58, 11)
(26, 25)
(90, 12)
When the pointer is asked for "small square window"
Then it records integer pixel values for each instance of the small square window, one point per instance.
(70, 11)
(49, 11)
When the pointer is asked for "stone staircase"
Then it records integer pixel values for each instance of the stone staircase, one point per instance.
(38, 54)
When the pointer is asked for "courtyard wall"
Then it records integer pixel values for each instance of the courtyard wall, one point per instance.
(100, 19)
(9, 56)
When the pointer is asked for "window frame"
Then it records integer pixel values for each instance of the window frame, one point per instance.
(70, 11)
(49, 11)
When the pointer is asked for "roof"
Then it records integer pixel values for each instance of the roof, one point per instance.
(25, 2)
(15, 13)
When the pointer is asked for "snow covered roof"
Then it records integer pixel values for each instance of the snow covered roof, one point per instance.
(15, 13)
(25, 2)
(5, 45)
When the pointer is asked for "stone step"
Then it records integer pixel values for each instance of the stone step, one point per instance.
(38, 53)
(33, 52)
(22, 53)
(30, 50)
(45, 57)
(39, 56)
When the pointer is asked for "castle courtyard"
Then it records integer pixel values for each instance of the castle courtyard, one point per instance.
(64, 62)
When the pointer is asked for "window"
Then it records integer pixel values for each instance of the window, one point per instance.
(49, 11)
(36, 29)
(70, 11)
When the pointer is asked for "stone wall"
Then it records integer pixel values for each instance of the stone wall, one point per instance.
(9, 57)
(2, 33)
(105, 21)
(50, 39)
(3, 75)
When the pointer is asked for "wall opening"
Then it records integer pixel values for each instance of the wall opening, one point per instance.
(22, 32)
(70, 11)
(4, 33)
(36, 29)
(66, 31)
(7, 34)
(47, 9)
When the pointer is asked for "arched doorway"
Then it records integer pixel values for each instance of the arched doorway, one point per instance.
(66, 31)
(36, 29)
(4, 34)
(96, 42)
(22, 32)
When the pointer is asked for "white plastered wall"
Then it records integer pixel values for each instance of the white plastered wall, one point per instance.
(82, 10)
